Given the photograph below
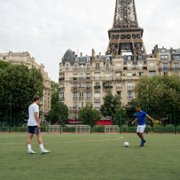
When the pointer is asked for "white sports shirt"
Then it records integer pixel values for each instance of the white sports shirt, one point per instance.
(33, 108)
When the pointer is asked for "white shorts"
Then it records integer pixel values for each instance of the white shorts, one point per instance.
(141, 128)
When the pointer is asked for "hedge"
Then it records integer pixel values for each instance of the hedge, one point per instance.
(170, 128)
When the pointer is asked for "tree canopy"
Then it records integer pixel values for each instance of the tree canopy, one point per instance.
(159, 95)
(59, 111)
(112, 107)
(18, 85)
(88, 115)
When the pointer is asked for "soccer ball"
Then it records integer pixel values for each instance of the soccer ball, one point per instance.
(126, 144)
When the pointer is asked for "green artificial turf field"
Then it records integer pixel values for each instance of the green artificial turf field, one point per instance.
(91, 156)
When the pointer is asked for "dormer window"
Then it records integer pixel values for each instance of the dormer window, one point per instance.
(67, 66)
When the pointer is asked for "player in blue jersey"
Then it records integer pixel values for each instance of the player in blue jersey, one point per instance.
(141, 120)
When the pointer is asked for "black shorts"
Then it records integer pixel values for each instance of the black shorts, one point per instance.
(33, 130)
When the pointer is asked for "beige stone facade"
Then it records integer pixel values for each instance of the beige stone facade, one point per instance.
(85, 80)
(25, 59)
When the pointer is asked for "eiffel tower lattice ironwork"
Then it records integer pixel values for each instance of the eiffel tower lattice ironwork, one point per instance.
(125, 35)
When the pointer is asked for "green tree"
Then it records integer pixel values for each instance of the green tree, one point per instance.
(159, 95)
(55, 93)
(18, 85)
(59, 111)
(120, 117)
(3, 64)
(88, 115)
(112, 107)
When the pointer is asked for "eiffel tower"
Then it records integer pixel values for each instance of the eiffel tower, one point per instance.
(125, 35)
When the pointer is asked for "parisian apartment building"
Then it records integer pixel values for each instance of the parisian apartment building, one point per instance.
(85, 80)
(24, 58)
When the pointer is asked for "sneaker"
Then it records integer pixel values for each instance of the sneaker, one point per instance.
(30, 151)
(45, 151)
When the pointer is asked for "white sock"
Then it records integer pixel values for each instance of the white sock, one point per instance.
(29, 146)
(41, 146)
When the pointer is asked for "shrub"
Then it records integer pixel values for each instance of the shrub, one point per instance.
(69, 129)
(170, 128)
(98, 129)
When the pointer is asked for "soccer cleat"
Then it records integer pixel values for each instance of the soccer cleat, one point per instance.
(30, 151)
(45, 151)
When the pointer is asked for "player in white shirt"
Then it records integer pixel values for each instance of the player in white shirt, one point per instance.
(34, 126)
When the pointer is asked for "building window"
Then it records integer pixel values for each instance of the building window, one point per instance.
(75, 84)
(88, 95)
(141, 74)
(88, 85)
(87, 75)
(130, 95)
(76, 66)
(118, 93)
(152, 73)
(80, 84)
(61, 96)
(176, 66)
(75, 95)
(97, 66)
(165, 66)
(129, 84)
(75, 105)
(81, 95)
(88, 66)
(97, 105)
(118, 76)
(107, 66)
(176, 57)
(164, 57)
(67, 66)
(129, 58)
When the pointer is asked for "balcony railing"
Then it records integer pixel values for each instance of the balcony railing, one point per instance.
(97, 87)
(75, 89)
(62, 88)
(80, 79)
(97, 98)
(107, 85)
(61, 99)
(118, 87)
(169, 68)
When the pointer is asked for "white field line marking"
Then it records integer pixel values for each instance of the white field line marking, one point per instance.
(67, 142)
(10, 136)
(99, 140)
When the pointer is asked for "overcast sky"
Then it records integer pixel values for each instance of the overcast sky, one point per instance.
(47, 28)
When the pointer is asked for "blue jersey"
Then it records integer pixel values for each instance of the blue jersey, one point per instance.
(141, 117)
